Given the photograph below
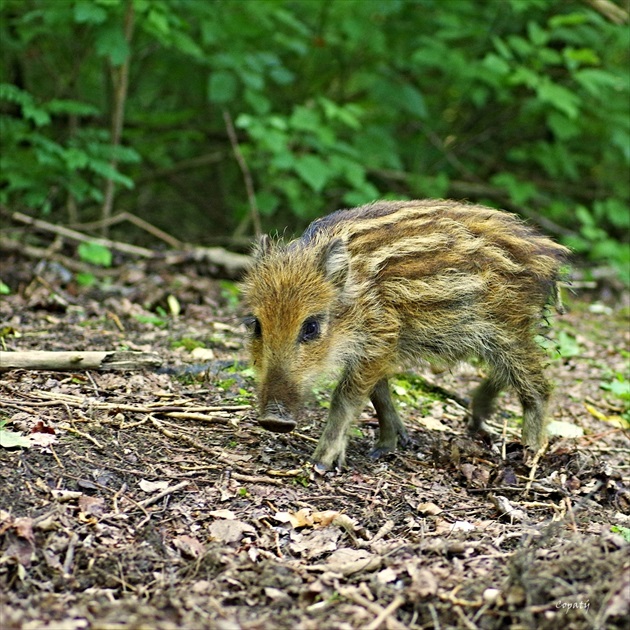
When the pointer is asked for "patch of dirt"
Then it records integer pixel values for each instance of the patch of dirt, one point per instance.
(153, 500)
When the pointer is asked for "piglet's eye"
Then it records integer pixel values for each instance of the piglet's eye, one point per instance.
(311, 330)
(253, 325)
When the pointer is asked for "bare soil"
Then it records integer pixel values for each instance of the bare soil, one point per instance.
(153, 500)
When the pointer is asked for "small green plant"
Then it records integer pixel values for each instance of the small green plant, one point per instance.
(621, 530)
(242, 492)
(187, 343)
(301, 480)
(4, 289)
(618, 386)
(411, 390)
(226, 383)
(95, 254)
(159, 319)
(230, 293)
(355, 431)
(186, 379)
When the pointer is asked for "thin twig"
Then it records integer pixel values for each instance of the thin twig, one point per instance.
(352, 594)
(137, 221)
(532, 473)
(396, 603)
(247, 176)
(73, 235)
(164, 493)
(120, 79)
(72, 544)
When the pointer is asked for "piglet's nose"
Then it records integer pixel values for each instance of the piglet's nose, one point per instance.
(277, 424)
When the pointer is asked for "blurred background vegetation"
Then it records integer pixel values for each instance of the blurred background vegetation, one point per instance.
(189, 113)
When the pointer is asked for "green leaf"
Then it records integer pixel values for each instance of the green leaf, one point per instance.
(312, 170)
(520, 192)
(560, 97)
(537, 35)
(413, 101)
(88, 12)
(95, 254)
(85, 279)
(69, 106)
(568, 346)
(562, 127)
(624, 532)
(305, 119)
(111, 42)
(221, 87)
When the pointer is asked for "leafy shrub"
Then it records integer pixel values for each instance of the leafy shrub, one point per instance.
(518, 103)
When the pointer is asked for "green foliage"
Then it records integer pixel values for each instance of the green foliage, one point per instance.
(40, 167)
(567, 345)
(410, 389)
(95, 254)
(187, 343)
(618, 384)
(623, 531)
(230, 293)
(4, 289)
(517, 103)
(159, 319)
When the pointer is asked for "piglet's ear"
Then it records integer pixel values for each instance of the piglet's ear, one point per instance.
(335, 262)
(263, 247)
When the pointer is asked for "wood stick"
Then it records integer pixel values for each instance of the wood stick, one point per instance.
(247, 176)
(70, 361)
(135, 220)
(164, 493)
(352, 594)
(120, 80)
(396, 603)
(82, 238)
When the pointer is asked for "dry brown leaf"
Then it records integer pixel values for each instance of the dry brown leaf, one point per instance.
(153, 486)
(92, 505)
(315, 543)
(349, 561)
(387, 576)
(423, 582)
(24, 528)
(189, 546)
(429, 508)
(230, 531)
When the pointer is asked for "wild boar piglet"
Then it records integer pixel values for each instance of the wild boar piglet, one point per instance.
(366, 290)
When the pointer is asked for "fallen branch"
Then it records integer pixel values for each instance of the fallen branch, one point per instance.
(39, 253)
(135, 220)
(73, 235)
(233, 264)
(151, 500)
(382, 614)
(70, 361)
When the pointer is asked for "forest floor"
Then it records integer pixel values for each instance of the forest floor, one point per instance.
(152, 500)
